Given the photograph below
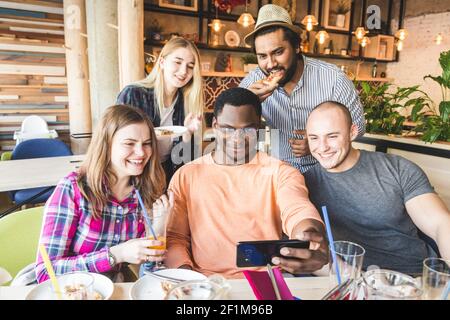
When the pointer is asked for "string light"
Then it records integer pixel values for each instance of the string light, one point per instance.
(360, 32)
(321, 36)
(216, 24)
(438, 39)
(364, 41)
(401, 34)
(246, 19)
(309, 21)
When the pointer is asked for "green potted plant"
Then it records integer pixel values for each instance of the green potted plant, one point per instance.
(250, 62)
(436, 125)
(381, 108)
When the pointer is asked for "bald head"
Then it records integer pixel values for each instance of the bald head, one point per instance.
(330, 109)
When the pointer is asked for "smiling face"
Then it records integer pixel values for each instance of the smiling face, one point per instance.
(131, 150)
(329, 138)
(236, 133)
(276, 54)
(178, 68)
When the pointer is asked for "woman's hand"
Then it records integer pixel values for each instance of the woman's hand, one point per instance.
(192, 123)
(136, 251)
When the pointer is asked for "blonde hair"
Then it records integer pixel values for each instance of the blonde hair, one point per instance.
(192, 91)
(96, 175)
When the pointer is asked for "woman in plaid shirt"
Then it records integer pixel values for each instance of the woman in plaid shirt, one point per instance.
(92, 221)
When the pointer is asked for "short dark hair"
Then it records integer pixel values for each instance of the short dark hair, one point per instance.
(289, 35)
(237, 97)
(334, 104)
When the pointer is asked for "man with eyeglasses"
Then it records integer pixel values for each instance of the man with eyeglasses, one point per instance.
(238, 194)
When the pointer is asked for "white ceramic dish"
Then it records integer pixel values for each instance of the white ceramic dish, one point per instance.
(176, 131)
(149, 288)
(102, 285)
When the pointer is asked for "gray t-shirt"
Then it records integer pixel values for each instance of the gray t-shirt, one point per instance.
(366, 205)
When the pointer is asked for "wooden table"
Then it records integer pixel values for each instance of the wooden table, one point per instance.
(306, 288)
(39, 172)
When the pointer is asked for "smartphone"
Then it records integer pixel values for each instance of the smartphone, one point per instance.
(260, 253)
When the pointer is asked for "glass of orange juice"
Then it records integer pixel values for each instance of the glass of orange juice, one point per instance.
(159, 219)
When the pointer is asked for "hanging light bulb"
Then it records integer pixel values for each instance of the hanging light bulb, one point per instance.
(309, 21)
(401, 34)
(399, 45)
(438, 39)
(216, 24)
(246, 19)
(364, 41)
(321, 36)
(360, 32)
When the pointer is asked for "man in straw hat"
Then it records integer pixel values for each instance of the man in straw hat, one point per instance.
(296, 84)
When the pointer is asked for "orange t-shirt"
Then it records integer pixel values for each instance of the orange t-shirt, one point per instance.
(216, 206)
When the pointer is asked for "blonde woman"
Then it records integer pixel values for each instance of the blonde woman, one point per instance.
(171, 94)
(93, 221)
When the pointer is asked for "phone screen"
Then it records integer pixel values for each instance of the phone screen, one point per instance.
(260, 253)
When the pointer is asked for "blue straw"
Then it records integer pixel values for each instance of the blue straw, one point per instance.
(446, 291)
(330, 238)
(146, 217)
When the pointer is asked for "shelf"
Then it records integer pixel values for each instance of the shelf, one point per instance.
(205, 14)
(202, 46)
(374, 79)
(337, 56)
(223, 74)
(153, 8)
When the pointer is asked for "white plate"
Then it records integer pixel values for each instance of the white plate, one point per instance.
(177, 131)
(232, 38)
(149, 288)
(102, 285)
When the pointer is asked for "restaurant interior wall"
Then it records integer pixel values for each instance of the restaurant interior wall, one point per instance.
(420, 52)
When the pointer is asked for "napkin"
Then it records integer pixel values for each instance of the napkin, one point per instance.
(262, 286)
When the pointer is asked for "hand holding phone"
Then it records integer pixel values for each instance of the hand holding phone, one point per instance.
(260, 253)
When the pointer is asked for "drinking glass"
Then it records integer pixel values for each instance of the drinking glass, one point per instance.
(349, 256)
(382, 284)
(436, 275)
(159, 224)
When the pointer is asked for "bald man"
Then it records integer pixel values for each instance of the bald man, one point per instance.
(377, 200)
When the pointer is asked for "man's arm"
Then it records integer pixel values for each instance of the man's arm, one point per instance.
(301, 221)
(430, 214)
(303, 260)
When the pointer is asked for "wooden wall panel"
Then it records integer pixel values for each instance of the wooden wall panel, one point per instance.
(32, 68)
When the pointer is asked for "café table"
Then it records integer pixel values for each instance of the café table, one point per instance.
(306, 288)
(38, 172)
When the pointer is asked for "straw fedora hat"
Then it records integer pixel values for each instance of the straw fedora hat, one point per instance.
(271, 15)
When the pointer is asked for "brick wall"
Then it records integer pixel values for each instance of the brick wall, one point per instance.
(420, 53)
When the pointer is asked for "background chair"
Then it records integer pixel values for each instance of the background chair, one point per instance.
(37, 148)
(34, 127)
(19, 236)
